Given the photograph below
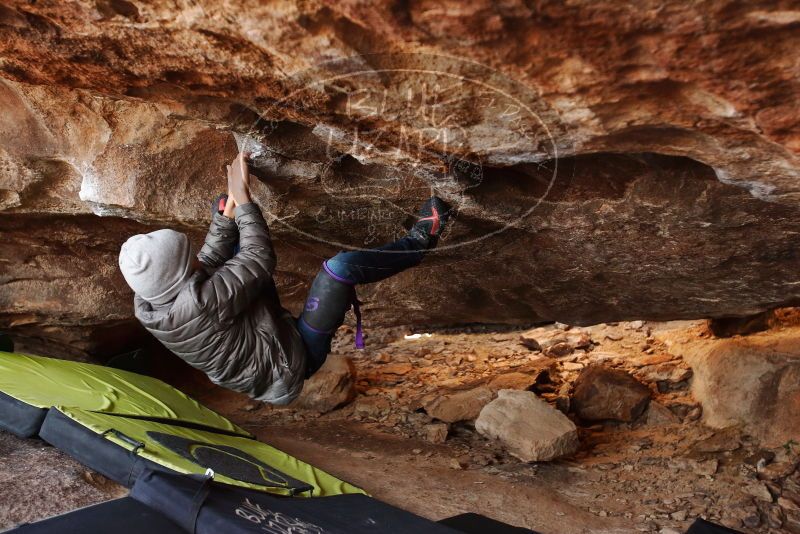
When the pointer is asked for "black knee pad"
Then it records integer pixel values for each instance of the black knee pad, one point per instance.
(328, 301)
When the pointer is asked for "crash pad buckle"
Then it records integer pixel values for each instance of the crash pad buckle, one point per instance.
(137, 445)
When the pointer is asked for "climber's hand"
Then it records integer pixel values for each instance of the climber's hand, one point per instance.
(230, 205)
(239, 179)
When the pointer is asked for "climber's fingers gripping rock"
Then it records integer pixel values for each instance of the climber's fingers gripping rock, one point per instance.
(239, 179)
(229, 204)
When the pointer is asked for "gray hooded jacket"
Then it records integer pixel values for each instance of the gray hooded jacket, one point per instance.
(227, 320)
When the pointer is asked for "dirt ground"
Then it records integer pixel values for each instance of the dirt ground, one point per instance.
(39, 481)
(653, 475)
(656, 474)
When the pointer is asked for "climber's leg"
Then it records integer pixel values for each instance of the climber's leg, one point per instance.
(368, 266)
(317, 344)
(328, 300)
(333, 290)
(374, 265)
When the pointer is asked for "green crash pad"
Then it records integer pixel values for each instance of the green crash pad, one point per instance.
(41, 382)
(119, 423)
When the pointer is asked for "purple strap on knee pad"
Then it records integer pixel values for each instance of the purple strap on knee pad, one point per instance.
(356, 304)
(315, 330)
(336, 276)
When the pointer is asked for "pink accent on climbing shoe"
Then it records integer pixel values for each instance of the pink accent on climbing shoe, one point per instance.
(435, 219)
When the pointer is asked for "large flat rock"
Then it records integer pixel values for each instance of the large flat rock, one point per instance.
(528, 427)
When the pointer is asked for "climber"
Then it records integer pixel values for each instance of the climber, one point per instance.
(220, 311)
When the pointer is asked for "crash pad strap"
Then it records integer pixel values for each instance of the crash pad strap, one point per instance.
(93, 450)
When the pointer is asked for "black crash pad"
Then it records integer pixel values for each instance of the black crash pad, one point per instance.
(120, 516)
(208, 508)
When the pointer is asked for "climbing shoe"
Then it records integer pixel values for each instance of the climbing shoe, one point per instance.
(218, 205)
(431, 220)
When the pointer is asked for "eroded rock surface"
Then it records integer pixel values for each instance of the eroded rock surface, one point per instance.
(605, 162)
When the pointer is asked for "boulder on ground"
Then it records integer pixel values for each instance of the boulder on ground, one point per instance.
(555, 342)
(371, 407)
(528, 427)
(459, 406)
(753, 381)
(435, 432)
(659, 415)
(607, 394)
(670, 372)
(514, 380)
(334, 385)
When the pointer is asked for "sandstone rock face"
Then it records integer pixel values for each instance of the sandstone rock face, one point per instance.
(334, 385)
(608, 394)
(605, 162)
(752, 381)
(528, 427)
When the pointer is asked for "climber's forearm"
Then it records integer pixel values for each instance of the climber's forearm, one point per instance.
(230, 205)
(244, 198)
(239, 179)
